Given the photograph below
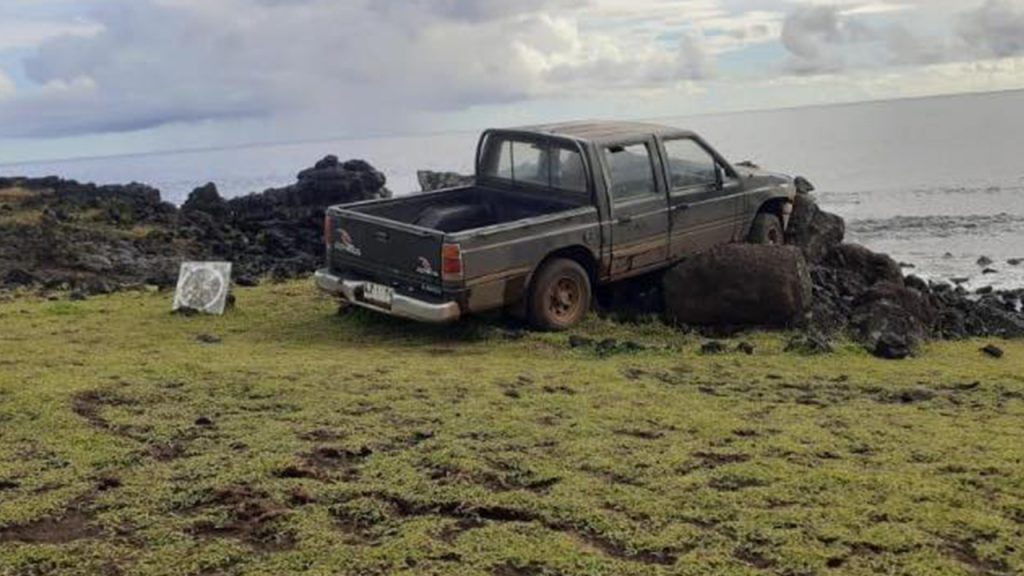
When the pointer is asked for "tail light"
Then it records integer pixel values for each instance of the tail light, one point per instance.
(451, 262)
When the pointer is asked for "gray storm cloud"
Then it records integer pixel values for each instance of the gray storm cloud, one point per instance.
(827, 39)
(358, 65)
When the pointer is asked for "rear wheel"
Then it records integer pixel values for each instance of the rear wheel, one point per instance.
(560, 296)
(767, 230)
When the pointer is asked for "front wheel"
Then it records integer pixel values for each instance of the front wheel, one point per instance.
(767, 230)
(560, 296)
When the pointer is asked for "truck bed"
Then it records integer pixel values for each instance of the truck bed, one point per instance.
(462, 209)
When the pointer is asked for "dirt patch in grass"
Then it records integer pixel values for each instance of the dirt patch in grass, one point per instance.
(503, 514)
(75, 523)
(251, 517)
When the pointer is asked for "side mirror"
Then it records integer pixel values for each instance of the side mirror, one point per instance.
(719, 177)
(803, 185)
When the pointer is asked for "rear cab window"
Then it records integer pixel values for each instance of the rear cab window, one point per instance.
(539, 163)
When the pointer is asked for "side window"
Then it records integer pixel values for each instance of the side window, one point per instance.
(568, 172)
(689, 164)
(631, 172)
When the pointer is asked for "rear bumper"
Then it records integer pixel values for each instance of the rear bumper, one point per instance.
(402, 306)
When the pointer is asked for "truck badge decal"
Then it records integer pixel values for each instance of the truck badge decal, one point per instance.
(426, 269)
(345, 243)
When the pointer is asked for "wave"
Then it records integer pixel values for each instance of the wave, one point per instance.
(938, 226)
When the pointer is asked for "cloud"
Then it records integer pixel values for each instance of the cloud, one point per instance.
(358, 66)
(816, 37)
(995, 29)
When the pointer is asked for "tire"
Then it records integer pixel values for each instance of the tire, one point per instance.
(560, 296)
(767, 230)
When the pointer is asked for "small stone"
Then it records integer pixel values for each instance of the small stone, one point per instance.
(907, 266)
(960, 280)
(993, 351)
(948, 256)
(77, 296)
(911, 395)
(713, 347)
(746, 348)
(984, 291)
(1015, 261)
(891, 347)
(106, 483)
(989, 271)
(809, 345)
(580, 342)
(204, 422)
(208, 339)
(985, 261)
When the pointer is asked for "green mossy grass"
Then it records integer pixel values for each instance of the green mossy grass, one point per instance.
(308, 442)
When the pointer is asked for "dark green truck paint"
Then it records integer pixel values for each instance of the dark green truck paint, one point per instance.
(611, 229)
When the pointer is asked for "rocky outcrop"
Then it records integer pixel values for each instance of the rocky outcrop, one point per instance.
(431, 181)
(813, 230)
(739, 285)
(102, 238)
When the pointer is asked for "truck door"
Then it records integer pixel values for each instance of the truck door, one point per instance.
(639, 208)
(706, 203)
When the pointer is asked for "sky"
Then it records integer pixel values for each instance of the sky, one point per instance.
(97, 77)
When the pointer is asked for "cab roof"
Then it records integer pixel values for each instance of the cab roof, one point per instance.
(604, 131)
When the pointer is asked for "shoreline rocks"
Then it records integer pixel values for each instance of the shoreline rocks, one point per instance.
(62, 234)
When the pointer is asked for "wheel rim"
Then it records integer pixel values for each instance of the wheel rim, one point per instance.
(564, 298)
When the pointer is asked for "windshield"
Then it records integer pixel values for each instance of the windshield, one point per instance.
(546, 164)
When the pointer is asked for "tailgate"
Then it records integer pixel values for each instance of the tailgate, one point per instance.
(384, 251)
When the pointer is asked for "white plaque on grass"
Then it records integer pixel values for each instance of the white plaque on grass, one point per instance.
(203, 286)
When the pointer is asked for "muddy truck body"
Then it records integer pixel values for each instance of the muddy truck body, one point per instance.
(555, 211)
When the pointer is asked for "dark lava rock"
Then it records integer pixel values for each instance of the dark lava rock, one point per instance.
(203, 422)
(206, 199)
(247, 281)
(712, 348)
(746, 348)
(431, 181)
(809, 344)
(208, 339)
(17, 278)
(813, 230)
(869, 266)
(990, 271)
(739, 285)
(892, 346)
(1015, 261)
(960, 280)
(993, 351)
(984, 291)
(985, 261)
(912, 395)
(78, 296)
(580, 342)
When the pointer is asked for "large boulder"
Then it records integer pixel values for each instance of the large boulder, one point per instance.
(813, 230)
(739, 285)
(867, 266)
(892, 320)
(206, 199)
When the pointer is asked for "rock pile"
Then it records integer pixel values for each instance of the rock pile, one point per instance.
(867, 295)
(58, 233)
(431, 181)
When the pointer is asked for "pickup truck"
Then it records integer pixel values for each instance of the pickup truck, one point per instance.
(555, 210)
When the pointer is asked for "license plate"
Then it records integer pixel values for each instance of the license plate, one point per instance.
(377, 294)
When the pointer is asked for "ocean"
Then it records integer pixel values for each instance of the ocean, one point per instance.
(937, 183)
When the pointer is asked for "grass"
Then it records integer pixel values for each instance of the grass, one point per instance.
(306, 442)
